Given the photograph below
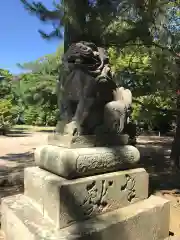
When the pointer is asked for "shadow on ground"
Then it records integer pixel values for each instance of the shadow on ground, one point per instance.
(19, 132)
(155, 158)
(12, 171)
(46, 131)
(162, 175)
(18, 157)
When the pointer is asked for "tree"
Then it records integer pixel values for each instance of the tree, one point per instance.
(48, 16)
(8, 112)
(59, 18)
(37, 94)
(174, 47)
(36, 89)
(107, 16)
(7, 115)
(5, 84)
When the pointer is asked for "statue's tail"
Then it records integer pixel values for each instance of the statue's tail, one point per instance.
(125, 95)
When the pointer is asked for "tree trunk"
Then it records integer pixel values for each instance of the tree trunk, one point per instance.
(73, 31)
(175, 149)
(75, 23)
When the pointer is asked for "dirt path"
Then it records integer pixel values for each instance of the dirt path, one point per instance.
(16, 152)
(17, 148)
(20, 143)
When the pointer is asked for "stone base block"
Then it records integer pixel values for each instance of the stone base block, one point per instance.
(145, 220)
(81, 162)
(68, 141)
(173, 238)
(66, 201)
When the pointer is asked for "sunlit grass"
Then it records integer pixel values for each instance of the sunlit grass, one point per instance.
(32, 128)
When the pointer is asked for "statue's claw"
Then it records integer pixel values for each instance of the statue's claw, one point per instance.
(71, 128)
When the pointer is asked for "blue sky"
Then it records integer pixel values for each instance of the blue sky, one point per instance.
(19, 38)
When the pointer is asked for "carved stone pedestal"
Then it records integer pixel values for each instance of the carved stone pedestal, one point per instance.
(85, 193)
(80, 162)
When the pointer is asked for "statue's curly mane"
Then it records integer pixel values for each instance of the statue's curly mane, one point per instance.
(87, 57)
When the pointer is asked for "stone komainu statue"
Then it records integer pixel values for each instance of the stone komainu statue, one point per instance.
(91, 101)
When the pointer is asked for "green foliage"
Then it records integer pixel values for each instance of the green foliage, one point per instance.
(151, 76)
(35, 91)
(5, 84)
(7, 115)
(132, 69)
(154, 110)
(5, 73)
(46, 65)
(8, 111)
(41, 116)
(39, 98)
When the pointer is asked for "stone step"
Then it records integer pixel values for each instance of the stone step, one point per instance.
(66, 201)
(145, 220)
(21, 220)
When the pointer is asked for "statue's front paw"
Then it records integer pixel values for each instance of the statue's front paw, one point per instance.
(71, 128)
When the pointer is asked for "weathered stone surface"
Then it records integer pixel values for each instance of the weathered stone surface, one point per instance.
(21, 220)
(79, 162)
(60, 126)
(68, 141)
(68, 201)
(173, 238)
(43, 188)
(145, 220)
